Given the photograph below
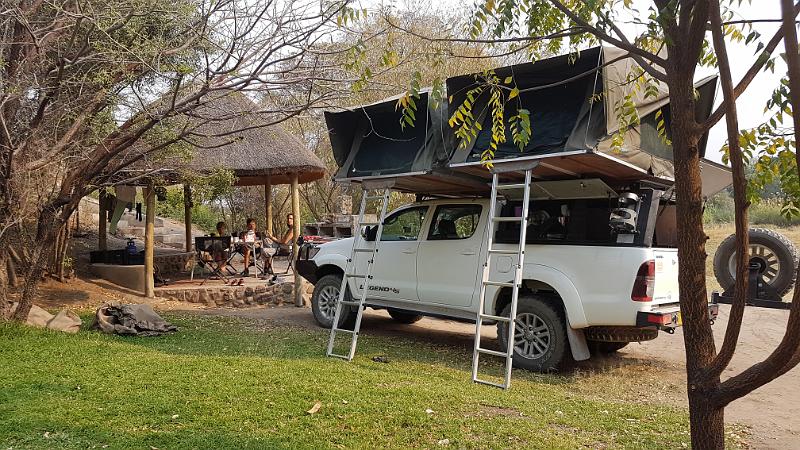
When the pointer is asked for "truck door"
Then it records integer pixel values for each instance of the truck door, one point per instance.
(394, 275)
(448, 261)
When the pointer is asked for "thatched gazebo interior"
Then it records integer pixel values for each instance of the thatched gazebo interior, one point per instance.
(229, 132)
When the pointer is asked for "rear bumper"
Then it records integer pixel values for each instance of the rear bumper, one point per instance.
(669, 318)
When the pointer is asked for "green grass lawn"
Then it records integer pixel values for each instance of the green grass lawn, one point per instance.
(225, 383)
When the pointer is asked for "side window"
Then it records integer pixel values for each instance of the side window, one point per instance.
(404, 225)
(454, 222)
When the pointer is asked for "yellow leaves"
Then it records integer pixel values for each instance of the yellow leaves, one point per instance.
(514, 93)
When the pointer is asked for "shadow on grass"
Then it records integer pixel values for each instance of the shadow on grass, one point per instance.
(203, 335)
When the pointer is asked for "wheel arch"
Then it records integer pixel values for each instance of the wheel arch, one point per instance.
(551, 283)
(329, 269)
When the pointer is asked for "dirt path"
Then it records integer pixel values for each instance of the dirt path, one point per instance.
(772, 412)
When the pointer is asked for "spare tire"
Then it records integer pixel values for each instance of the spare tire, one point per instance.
(774, 252)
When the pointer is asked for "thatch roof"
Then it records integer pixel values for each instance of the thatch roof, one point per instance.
(228, 131)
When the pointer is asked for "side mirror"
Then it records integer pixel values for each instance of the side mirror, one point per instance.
(369, 233)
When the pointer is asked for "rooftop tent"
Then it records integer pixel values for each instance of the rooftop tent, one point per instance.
(571, 100)
(369, 141)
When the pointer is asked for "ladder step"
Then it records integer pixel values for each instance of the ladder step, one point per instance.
(354, 275)
(367, 224)
(342, 330)
(507, 219)
(511, 186)
(374, 197)
(351, 302)
(490, 383)
(496, 318)
(345, 357)
(498, 283)
(504, 252)
(492, 352)
(363, 250)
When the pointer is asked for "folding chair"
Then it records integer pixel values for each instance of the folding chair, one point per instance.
(218, 248)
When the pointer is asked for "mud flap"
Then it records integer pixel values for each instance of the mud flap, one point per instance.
(577, 343)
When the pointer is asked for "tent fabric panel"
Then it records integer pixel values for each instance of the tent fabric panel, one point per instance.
(552, 123)
(341, 133)
(617, 86)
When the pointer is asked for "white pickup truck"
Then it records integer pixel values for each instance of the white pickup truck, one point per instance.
(586, 284)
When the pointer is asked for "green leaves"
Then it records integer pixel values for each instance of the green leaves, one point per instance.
(521, 128)
(408, 102)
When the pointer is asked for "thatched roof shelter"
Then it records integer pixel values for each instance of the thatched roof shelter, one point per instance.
(230, 132)
(226, 131)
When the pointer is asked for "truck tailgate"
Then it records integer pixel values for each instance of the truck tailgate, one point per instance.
(666, 276)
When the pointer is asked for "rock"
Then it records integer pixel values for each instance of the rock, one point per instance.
(288, 288)
(239, 303)
(66, 321)
(227, 297)
(261, 289)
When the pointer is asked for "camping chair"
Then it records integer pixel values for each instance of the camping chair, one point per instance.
(283, 250)
(218, 248)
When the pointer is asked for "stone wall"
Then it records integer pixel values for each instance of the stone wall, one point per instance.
(233, 296)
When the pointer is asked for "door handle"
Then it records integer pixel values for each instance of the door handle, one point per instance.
(468, 251)
(409, 251)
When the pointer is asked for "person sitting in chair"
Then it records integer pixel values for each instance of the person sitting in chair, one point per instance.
(222, 230)
(288, 237)
(248, 237)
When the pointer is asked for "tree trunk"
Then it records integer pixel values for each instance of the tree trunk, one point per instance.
(707, 422)
(40, 254)
(149, 250)
(707, 427)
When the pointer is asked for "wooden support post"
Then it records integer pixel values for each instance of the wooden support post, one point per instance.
(268, 205)
(298, 284)
(187, 215)
(102, 223)
(149, 230)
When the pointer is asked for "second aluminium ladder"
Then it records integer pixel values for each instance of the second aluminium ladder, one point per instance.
(515, 285)
(350, 273)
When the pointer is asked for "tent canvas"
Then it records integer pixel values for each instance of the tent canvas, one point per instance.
(571, 102)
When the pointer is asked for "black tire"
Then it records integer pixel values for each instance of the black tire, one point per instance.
(549, 314)
(776, 253)
(326, 290)
(605, 348)
(404, 316)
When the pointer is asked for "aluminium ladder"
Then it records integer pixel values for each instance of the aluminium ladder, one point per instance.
(350, 273)
(494, 219)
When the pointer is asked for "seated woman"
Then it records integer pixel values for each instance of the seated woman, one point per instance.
(248, 237)
(287, 239)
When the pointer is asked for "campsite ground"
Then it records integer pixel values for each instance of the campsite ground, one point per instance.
(246, 377)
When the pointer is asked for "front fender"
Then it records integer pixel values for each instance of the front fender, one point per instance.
(331, 259)
(573, 306)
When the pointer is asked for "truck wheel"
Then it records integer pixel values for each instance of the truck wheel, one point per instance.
(605, 348)
(324, 299)
(540, 340)
(403, 316)
(775, 254)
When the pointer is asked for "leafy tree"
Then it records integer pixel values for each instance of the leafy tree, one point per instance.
(82, 82)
